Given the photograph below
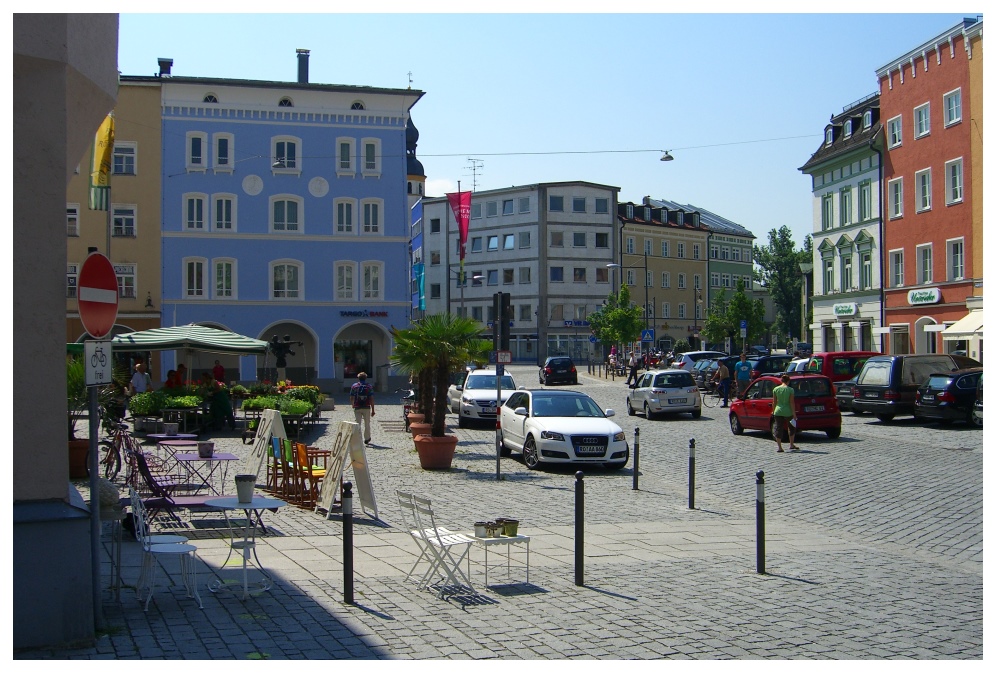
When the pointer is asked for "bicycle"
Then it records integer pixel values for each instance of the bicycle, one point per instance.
(111, 452)
(408, 405)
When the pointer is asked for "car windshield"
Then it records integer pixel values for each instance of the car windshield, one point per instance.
(488, 383)
(810, 387)
(565, 405)
(673, 380)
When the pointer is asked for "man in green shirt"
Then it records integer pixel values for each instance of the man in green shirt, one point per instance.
(783, 414)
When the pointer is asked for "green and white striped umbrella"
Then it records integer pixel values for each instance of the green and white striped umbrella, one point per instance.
(192, 337)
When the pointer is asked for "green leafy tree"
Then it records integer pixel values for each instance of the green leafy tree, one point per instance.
(724, 316)
(778, 270)
(617, 322)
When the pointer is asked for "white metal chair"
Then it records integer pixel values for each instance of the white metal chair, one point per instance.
(446, 550)
(157, 546)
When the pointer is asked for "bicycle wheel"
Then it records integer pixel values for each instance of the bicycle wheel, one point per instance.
(710, 400)
(110, 459)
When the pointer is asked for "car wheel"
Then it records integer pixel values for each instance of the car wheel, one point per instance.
(885, 418)
(697, 413)
(856, 412)
(735, 425)
(973, 419)
(629, 407)
(503, 450)
(647, 412)
(530, 455)
(833, 433)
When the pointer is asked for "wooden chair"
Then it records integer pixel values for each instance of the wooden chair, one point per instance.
(275, 472)
(310, 475)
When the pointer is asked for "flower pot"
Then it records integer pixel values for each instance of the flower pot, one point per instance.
(205, 449)
(79, 451)
(481, 529)
(415, 418)
(510, 527)
(435, 453)
(419, 429)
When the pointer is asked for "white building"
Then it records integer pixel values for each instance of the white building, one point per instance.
(545, 244)
(847, 226)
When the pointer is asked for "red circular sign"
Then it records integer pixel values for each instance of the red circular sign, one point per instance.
(97, 295)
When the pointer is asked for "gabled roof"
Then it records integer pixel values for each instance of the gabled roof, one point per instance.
(860, 136)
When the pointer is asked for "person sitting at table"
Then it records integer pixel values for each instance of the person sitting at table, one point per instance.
(171, 380)
(220, 404)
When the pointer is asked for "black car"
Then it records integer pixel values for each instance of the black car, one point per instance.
(888, 389)
(977, 412)
(844, 391)
(558, 369)
(770, 364)
(948, 396)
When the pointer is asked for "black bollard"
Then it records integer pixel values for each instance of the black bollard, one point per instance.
(579, 528)
(636, 460)
(760, 522)
(691, 474)
(347, 543)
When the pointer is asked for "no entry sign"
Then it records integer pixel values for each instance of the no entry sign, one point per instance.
(97, 295)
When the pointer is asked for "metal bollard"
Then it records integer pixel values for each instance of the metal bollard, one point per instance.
(760, 522)
(691, 474)
(347, 543)
(579, 528)
(636, 460)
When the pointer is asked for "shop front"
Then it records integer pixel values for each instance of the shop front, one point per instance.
(845, 326)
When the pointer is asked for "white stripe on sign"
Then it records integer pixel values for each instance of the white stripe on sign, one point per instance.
(97, 295)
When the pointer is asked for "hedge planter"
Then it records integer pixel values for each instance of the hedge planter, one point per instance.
(435, 453)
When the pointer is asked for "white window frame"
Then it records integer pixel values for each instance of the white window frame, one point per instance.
(345, 206)
(523, 204)
(714, 279)
(630, 245)
(697, 281)
(72, 219)
(373, 216)
(680, 250)
(233, 291)
(724, 252)
(847, 128)
(924, 188)
(665, 248)
(287, 198)
(894, 134)
(369, 171)
(216, 223)
(897, 272)
(197, 290)
(226, 166)
(72, 280)
(124, 273)
(828, 276)
(372, 280)
(648, 246)
(507, 207)
(826, 210)
(864, 201)
(925, 263)
(846, 206)
(726, 280)
(666, 279)
(681, 311)
(828, 137)
(955, 262)
(281, 165)
(666, 310)
(866, 120)
(631, 277)
(735, 253)
(125, 212)
(197, 164)
(866, 279)
(895, 198)
(949, 118)
(696, 251)
(921, 120)
(196, 223)
(285, 264)
(681, 281)
(129, 149)
(491, 209)
(954, 181)
(345, 274)
(713, 251)
(847, 271)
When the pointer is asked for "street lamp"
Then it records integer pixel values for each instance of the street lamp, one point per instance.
(695, 326)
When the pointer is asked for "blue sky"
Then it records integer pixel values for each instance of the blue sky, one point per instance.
(740, 99)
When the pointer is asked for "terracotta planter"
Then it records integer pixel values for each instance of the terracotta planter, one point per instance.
(419, 429)
(435, 453)
(79, 450)
(415, 418)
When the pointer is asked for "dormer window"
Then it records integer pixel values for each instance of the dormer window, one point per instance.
(646, 214)
(629, 211)
(210, 98)
(847, 129)
(866, 120)
(357, 105)
(285, 102)
(829, 136)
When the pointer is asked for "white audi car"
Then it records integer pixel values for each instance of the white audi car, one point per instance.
(560, 426)
(476, 398)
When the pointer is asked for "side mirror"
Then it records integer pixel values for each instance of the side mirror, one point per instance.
(521, 388)
(521, 411)
(609, 412)
(459, 388)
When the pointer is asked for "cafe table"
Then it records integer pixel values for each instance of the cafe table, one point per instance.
(243, 540)
(205, 469)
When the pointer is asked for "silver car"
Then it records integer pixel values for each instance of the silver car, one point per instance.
(477, 398)
(665, 391)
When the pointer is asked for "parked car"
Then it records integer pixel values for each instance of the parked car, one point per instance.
(667, 391)
(949, 396)
(560, 426)
(887, 384)
(698, 372)
(559, 368)
(770, 364)
(804, 349)
(689, 358)
(815, 405)
(977, 412)
(476, 399)
(759, 349)
(839, 365)
(708, 371)
(797, 365)
(844, 391)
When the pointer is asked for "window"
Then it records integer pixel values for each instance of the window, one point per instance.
(123, 220)
(506, 207)
(846, 277)
(828, 136)
(649, 280)
(524, 239)
(477, 313)
(371, 216)
(714, 279)
(895, 134)
(666, 310)
(210, 98)
(681, 310)
(666, 279)
(434, 226)
(491, 209)
(578, 204)
(556, 239)
(725, 253)
(864, 201)
(124, 158)
(344, 216)
(525, 312)
(601, 275)
(924, 263)
(601, 205)
(285, 102)
(224, 212)
(580, 274)
(713, 252)
(896, 198)
(923, 190)
(435, 291)
(681, 281)
(224, 146)
(126, 280)
(952, 107)
(507, 276)
(477, 244)
(735, 254)
(696, 251)
(345, 149)
(648, 246)
(629, 211)
(194, 211)
(475, 278)
(697, 282)
(630, 277)
(435, 259)
(601, 240)
(286, 278)
(556, 274)
(866, 120)
(665, 248)
(286, 213)
(196, 146)
(224, 278)
(827, 219)
(726, 280)
(72, 276)
(371, 280)
(508, 242)
(557, 204)
(845, 206)
(630, 245)
(492, 243)
(286, 157)
(828, 276)
(371, 157)
(896, 267)
(953, 181)
(72, 219)
(847, 129)
(475, 211)
(866, 271)
(492, 276)
(525, 274)
(921, 120)
(956, 259)
(580, 240)
(681, 251)
(698, 310)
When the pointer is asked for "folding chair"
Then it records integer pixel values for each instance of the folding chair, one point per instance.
(160, 488)
(309, 475)
(441, 545)
(158, 546)
(275, 469)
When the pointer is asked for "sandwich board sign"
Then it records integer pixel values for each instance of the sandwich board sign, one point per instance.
(336, 464)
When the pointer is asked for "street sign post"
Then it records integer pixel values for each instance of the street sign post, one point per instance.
(97, 293)
(97, 359)
(647, 335)
(503, 357)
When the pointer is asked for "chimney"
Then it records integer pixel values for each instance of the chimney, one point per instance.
(302, 65)
(165, 64)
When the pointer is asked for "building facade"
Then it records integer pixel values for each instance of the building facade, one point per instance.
(847, 238)
(930, 273)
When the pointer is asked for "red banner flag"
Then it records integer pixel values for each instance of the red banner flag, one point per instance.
(460, 203)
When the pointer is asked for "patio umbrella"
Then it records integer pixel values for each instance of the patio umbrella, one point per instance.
(190, 337)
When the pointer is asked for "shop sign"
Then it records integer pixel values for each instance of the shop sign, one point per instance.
(363, 314)
(929, 296)
(840, 310)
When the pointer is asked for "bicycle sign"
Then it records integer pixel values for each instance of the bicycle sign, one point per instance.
(97, 356)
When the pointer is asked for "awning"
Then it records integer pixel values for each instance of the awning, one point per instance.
(193, 337)
(966, 328)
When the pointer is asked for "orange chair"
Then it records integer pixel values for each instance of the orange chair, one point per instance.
(309, 474)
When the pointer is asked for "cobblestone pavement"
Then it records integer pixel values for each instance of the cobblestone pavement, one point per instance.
(873, 551)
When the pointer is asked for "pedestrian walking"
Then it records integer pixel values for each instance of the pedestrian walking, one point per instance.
(742, 371)
(783, 414)
(634, 366)
(361, 396)
(722, 379)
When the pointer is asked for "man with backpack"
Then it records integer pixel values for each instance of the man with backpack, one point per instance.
(361, 395)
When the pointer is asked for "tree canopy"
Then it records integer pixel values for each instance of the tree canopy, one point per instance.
(778, 270)
(618, 321)
(724, 316)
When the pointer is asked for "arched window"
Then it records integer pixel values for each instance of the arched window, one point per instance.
(210, 98)
(357, 105)
(285, 102)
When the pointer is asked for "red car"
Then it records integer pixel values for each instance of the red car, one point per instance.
(815, 405)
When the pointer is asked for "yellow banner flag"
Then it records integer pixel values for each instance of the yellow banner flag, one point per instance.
(100, 164)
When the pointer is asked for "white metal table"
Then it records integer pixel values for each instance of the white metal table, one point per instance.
(507, 542)
(247, 545)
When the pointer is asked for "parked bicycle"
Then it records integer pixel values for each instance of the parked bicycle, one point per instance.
(119, 447)
(408, 404)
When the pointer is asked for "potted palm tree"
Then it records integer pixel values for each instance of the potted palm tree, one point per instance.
(76, 401)
(434, 348)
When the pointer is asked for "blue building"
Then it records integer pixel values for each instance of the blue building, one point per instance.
(286, 212)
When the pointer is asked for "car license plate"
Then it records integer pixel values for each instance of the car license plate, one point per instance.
(581, 450)
(870, 394)
(678, 400)
(487, 411)
(814, 408)
(927, 398)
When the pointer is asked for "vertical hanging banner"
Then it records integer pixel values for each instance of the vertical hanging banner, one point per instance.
(100, 165)
(460, 203)
(419, 271)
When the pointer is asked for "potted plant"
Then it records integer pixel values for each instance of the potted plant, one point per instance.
(76, 402)
(433, 348)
